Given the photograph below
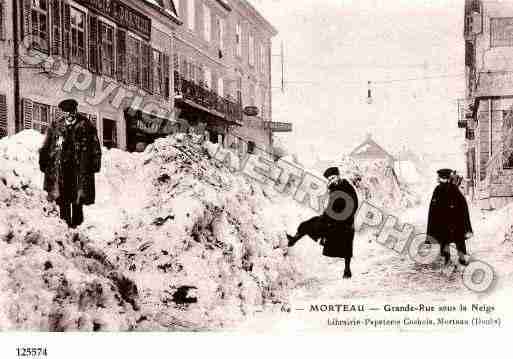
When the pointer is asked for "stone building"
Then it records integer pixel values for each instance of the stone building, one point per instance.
(225, 48)
(369, 151)
(139, 69)
(486, 114)
(112, 56)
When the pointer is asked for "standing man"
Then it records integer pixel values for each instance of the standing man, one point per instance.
(448, 218)
(69, 158)
(336, 224)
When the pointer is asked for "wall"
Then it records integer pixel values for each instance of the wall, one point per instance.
(193, 45)
(497, 58)
(6, 73)
(49, 88)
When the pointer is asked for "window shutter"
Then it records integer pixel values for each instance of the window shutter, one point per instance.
(56, 27)
(121, 56)
(57, 114)
(145, 56)
(66, 30)
(1, 25)
(28, 107)
(139, 66)
(150, 69)
(165, 74)
(176, 63)
(100, 50)
(27, 18)
(93, 44)
(3, 116)
(183, 70)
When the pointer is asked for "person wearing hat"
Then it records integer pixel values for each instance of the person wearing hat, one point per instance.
(448, 217)
(336, 224)
(69, 158)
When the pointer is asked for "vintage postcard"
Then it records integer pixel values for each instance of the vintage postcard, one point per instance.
(254, 167)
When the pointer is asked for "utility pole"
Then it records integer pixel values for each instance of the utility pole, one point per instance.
(282, 55)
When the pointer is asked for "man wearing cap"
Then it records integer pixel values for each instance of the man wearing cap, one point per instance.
(69, 158)
(336, 224)
(448, 218)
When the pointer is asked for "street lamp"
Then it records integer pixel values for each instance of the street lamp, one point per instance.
(369, 93)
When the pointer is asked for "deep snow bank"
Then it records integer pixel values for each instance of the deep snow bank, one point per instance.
(175, 241)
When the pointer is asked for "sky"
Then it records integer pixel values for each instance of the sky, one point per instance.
(412, 51)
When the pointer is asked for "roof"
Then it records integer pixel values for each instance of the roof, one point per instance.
(371, 150)
(258, 16)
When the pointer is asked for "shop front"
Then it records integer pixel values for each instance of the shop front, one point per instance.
(143, 129)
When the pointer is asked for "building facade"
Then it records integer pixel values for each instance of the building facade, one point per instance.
(486, 114)
(369, 152)
(112, 56)
(138, 68)
(222, 66)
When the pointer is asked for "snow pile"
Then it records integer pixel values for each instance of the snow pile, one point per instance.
(506, 215)
(174, 241)
(51, 278)
(377, 183)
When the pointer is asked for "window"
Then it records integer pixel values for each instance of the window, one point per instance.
(207, 26)
(2, 31)
(252, 95)
(191, 14)
(40, 117)
(109, 133)
(238, 40)
(190, 71)
(239, 90)
(207, 77)
(133, 55)
(251, 50)
(158, 84)
(220, 33)
(508, 164)
(251, 147)
(39, 17)
(501, 30)
(107, 49)
(3, 115)
(78, 54)
(263, 99)
(220, 86)
(262, 58)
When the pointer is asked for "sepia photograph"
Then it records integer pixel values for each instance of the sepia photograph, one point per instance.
(252, 167)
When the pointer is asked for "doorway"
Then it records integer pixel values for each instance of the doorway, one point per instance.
(110, 138)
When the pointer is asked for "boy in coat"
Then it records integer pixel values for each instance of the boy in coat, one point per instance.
(448, 218)
(336, 224)
(69, 158)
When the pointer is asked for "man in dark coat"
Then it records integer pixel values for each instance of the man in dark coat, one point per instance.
(336, 224)
(448, 218)
(70, 157)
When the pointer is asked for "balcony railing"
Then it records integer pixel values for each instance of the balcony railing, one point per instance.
(464, 113)
(208, 99)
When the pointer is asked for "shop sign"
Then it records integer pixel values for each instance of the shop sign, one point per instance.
(122, 14)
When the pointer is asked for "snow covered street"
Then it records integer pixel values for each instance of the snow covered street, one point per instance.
(381, 276)
(177, 241)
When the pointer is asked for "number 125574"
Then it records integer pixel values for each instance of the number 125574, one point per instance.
(23, 352)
